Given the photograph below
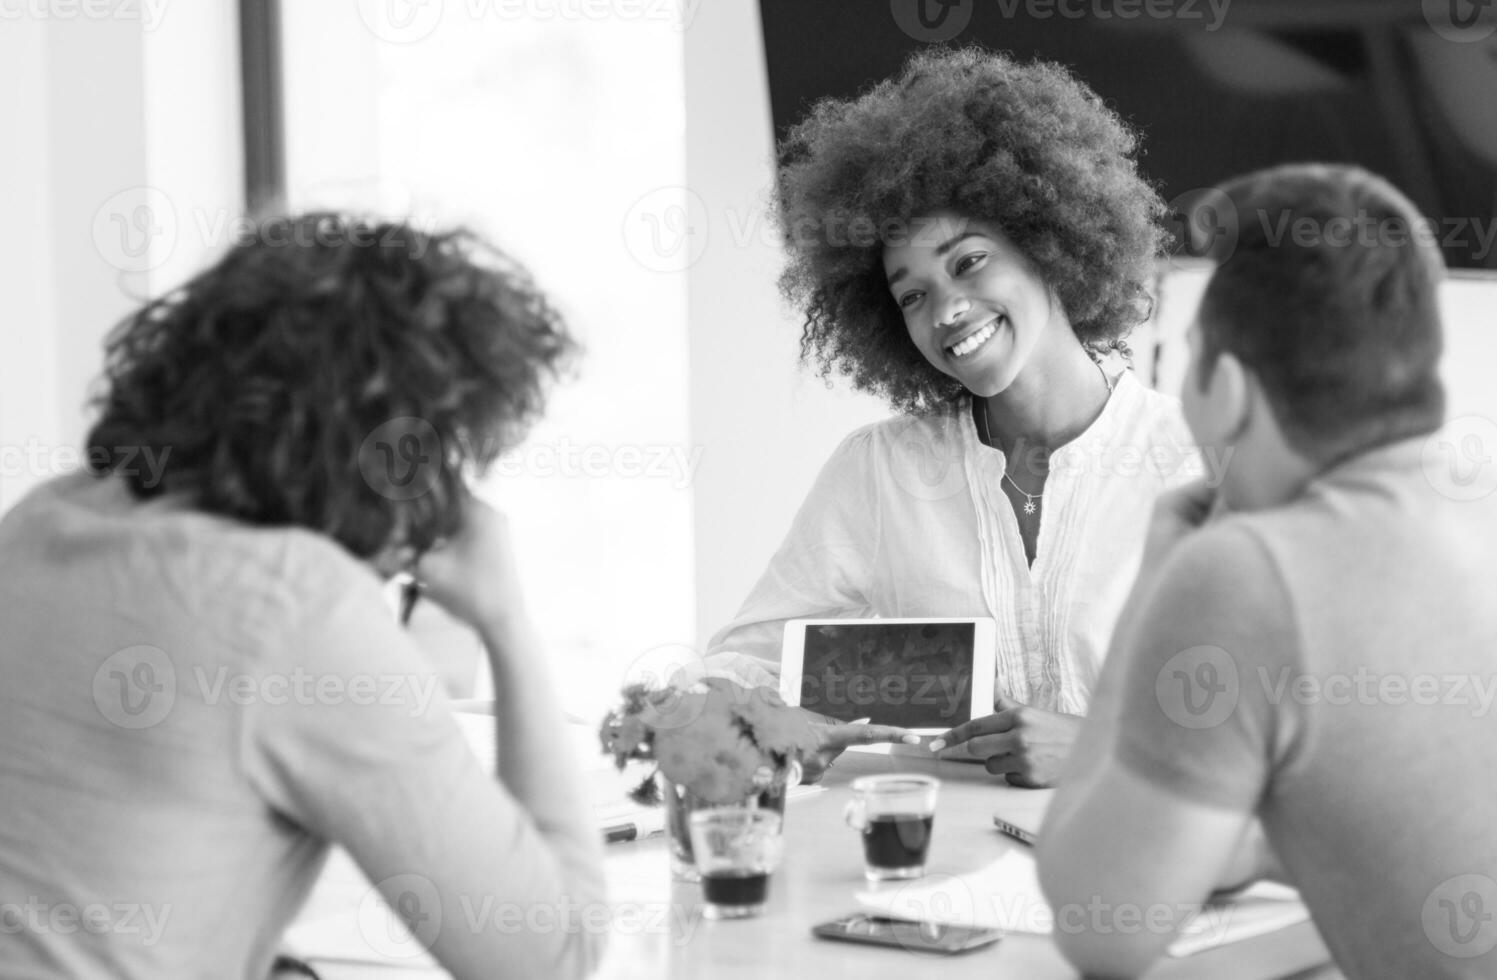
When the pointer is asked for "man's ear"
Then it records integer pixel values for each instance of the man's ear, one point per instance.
(1230, 394)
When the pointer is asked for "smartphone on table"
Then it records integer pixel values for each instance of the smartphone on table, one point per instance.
(932, 937)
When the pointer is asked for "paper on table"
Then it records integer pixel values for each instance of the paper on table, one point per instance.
(1006, 895)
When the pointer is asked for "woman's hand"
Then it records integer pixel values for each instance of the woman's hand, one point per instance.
(834, 737)
(1177, 513)
(473, 574)
(1028, 745)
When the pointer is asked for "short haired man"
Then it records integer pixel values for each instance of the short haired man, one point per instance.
(1302, 683)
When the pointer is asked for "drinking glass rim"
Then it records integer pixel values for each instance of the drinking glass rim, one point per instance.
(894, 782)
(739, 815)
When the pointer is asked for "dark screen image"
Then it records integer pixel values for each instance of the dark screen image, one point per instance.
(1258, 83)
(915, 675)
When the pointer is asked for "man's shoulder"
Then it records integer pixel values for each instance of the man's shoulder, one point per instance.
(1221, 585)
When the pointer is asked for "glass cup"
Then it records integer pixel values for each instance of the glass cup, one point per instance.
(895, 814)
(735, 849)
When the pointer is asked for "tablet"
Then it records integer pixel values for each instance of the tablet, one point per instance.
(922, 674)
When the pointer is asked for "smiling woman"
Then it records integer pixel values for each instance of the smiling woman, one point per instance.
(1014, 243)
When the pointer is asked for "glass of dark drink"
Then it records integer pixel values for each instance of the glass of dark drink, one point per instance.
(895, 814)
(736, 849)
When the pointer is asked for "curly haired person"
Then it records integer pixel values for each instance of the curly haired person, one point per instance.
(971, 241)
(204, 684)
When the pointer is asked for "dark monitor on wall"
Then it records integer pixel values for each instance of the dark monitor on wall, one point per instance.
(1406, 88)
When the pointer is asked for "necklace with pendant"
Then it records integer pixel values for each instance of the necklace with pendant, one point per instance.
(1030, 507)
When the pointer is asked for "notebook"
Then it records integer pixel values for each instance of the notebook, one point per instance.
(1006, 895)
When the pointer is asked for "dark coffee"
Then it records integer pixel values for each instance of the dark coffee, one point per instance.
(735, 887)
(897, 840)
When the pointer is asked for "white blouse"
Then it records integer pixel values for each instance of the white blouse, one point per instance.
(908, 518)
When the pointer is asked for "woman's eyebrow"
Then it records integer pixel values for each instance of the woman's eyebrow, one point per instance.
(941, 250)
(956, 240)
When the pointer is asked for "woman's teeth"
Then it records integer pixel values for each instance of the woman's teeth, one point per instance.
(975, 341)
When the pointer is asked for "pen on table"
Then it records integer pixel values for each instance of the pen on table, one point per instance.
(636, 829)
(409, 593)
(1016, 832)
(622, 833)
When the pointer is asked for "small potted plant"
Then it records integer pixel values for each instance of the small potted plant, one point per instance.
(714, 743)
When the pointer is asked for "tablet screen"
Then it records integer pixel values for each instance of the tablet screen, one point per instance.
(914, 675)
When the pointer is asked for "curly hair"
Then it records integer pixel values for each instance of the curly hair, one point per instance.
(269, 384)
(1025, 146)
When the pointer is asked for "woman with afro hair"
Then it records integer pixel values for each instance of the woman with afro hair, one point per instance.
(204, 686)
(971, 241)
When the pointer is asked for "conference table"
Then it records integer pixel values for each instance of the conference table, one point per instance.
(659, 932)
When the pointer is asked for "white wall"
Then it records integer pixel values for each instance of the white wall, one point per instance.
(765, 424)
(131, 133)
